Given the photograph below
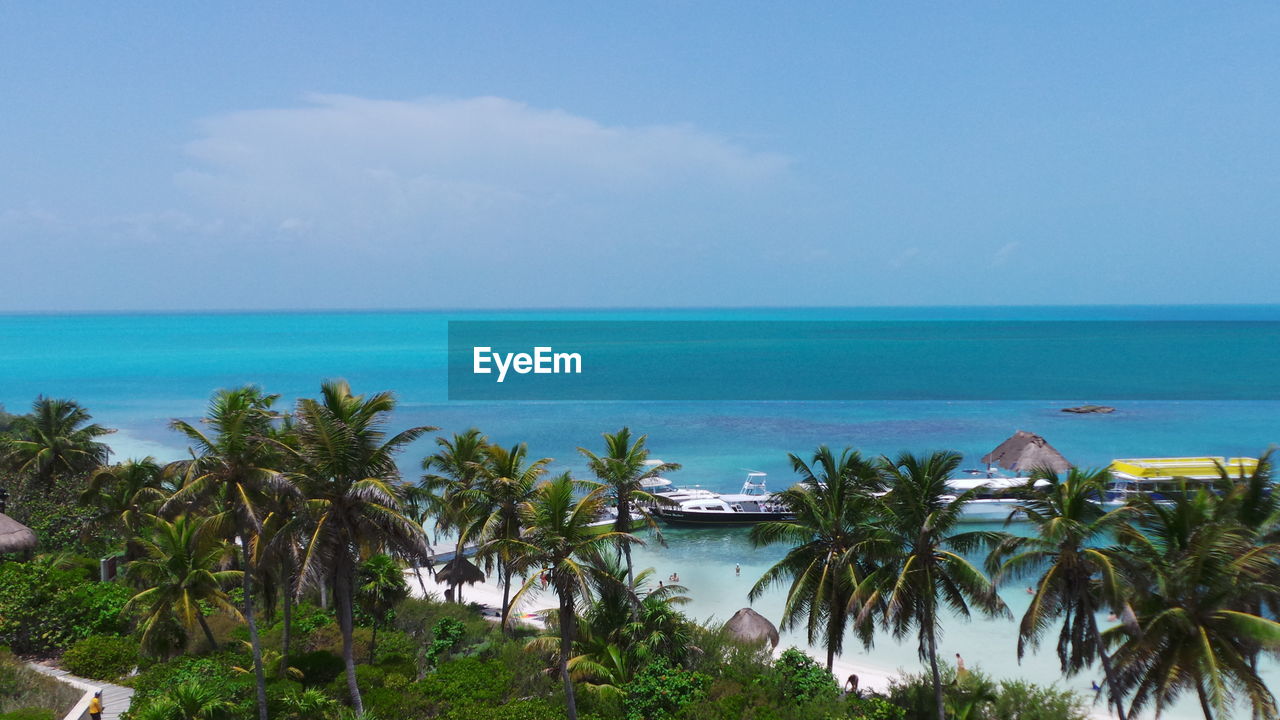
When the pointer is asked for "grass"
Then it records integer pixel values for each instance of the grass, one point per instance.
(22, 688)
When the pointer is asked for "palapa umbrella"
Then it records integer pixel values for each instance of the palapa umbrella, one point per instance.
(14, 536)
(750, 626)
(460, 571)
(1024, 452)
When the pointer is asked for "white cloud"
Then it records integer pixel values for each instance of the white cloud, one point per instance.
(342, 163)
(1002, 255)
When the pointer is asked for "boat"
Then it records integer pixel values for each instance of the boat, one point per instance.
(993, 499)
(753, 504)
(1163, 479)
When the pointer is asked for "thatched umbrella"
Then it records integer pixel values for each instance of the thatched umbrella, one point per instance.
(750, 626)
(14, 536)
(1024, 452)
(460, 571)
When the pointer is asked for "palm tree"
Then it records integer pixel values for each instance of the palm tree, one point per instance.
(559, 541)
(921, 561)
(1194, 574)
(1077, 577)
(832, 506)
(623, 468)
(346, 466)
(57, 438)
(508, 479)
(191, 700)
(179, 569)
(452, 490)
(380, 587)
(610, 647)
(125, 495)
(233, 467)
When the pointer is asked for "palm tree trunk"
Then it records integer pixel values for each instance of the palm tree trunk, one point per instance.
(506, 597)
(933, 668)
(624, 525)
(566, 648)
(259, 675)
(286, 635)
(1113, 691)
(417, 572)
(343, 596)
(373, 643)
(835, 631)
(457, 553)
(204, 625)
(1204, 700)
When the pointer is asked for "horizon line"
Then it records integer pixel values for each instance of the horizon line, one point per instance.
(607, 308)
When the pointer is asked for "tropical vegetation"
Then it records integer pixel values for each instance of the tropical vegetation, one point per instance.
(272, 573)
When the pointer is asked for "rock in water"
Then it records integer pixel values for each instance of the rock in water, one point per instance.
(1086, 409)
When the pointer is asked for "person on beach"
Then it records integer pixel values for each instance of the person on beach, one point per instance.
(960, 669)
(95, 706)
(851, 685)
(737, 569)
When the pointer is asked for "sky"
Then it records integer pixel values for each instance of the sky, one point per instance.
(231, 156)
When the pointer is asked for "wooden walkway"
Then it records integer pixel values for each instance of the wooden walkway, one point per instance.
(115, 699)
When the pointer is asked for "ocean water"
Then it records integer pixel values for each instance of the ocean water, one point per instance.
(137, 372)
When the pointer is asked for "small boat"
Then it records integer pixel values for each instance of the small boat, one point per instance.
(994, 498)
(753, 504)
(1163, 479)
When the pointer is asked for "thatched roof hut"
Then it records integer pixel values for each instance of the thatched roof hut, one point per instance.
(460, 571)
(750, 626)
(14, 536)
(1024, 452)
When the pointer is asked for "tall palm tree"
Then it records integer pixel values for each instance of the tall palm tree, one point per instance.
(1193, 574)
(559, 541)
(508, 479)
(451, 483)
(232, 466)
(623, 468)
(124, 495)
(179, 568)
(1076, 576)
(832, 505)
(921, 559)
(57, 438)
(346, 467)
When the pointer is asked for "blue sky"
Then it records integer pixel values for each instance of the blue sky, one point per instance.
(406, 155)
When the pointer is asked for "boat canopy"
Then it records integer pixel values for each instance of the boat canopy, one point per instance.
(998, 483)
(1192, 468)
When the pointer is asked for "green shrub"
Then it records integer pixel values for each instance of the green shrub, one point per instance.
(466, 681)
(1021, 700)
(397, 703)
(318, 667)
(518, 710)
(802, 678)
(367, 676)
(43, 607)
(874, 707)
(659, 691)
(101, 657)
(213, 671)
(445, 635)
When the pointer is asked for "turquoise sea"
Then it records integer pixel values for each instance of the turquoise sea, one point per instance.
(136, 372)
